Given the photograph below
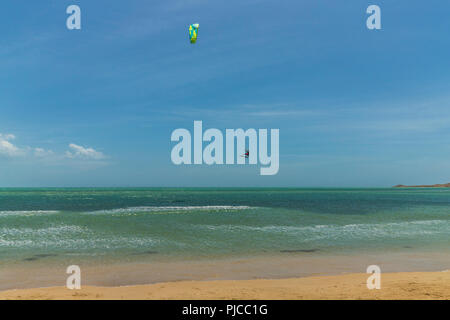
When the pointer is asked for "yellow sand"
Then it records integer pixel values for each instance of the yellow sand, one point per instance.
(414, 285)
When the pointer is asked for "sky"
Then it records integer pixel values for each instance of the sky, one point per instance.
(96, 107)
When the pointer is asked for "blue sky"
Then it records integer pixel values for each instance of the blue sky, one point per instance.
(97, 106)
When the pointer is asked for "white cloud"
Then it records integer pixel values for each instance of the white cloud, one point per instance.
(41, 153)
(7, 148)
(7, 136)
(83, 153)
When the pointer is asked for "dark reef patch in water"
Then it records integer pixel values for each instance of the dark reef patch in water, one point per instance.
(30, 259)
(146, 252)
(300, 250)
(40, 256)
(45, 255)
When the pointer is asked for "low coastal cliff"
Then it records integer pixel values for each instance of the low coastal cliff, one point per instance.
(446, 185)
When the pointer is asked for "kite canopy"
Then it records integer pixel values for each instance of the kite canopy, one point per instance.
(193, 31)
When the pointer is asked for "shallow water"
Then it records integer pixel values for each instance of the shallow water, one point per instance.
(132, 225)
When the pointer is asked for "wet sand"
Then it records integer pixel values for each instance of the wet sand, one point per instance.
(407, 274)
(416, 285)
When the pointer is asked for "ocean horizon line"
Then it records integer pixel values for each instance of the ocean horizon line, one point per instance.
(202, 187)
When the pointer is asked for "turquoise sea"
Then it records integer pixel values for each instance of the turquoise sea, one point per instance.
(136, 224)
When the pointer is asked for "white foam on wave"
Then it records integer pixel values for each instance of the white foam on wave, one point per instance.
(49, 231)
(7, 213)
(82, 243)
(349, 231)
(168, 209)
(65, 236)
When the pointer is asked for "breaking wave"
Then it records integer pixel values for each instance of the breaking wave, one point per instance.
(26, 212)
(347, 232)
(166, 209)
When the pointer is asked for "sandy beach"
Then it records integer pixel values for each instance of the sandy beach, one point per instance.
(404, 285)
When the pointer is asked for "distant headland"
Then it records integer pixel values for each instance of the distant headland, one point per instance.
(446, 185)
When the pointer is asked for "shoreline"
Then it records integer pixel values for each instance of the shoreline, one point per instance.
(401, 285)
(315, 277)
